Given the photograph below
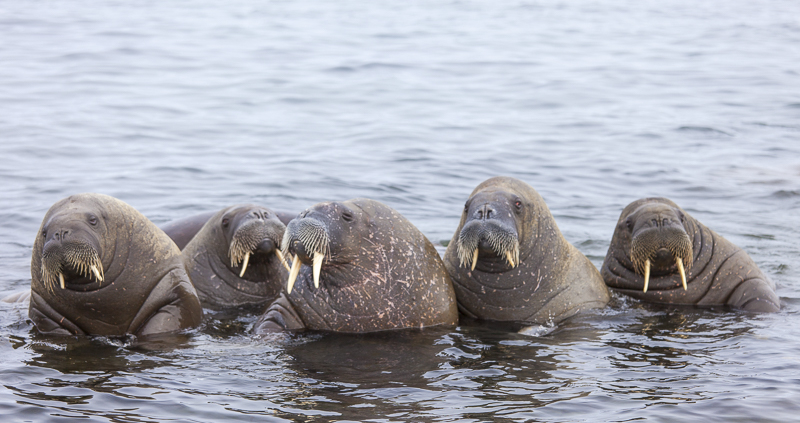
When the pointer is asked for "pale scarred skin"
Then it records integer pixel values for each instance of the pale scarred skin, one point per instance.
(142, 287)
(215, 268)
(720, 272)
(379, 273)
(545, 280)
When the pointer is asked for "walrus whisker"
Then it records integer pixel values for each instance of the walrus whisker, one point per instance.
(293, 274)
(97, 273)
(318, 258)
(282, 259)
(646, 274)
(683, 272)
(510, 259)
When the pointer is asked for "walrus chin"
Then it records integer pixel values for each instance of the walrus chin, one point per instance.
(650, 246)
(502, 241)
(309, 237)
(78, 256)
(246, 240)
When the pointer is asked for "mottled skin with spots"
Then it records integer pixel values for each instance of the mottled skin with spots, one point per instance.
(552, 279)
(208, 258)
(720, 273)
(380, 273)
(145, 289)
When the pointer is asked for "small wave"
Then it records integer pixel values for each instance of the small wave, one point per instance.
(704, 129)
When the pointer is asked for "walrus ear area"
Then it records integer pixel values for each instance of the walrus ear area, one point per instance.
(347, 215)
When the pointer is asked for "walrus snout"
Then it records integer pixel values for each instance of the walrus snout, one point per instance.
(308, 240)
(255, 235)
(662, 250)
(69, 260)
(487, 236)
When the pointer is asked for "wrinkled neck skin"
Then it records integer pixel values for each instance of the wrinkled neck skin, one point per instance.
(218, 284)
(620, 273)
(209, 262)
(115, 305)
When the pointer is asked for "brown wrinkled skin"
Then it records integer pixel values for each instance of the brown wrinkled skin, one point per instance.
(145, 289)
(553, 280)
(382, 274)
(721, 273)
(208, 263)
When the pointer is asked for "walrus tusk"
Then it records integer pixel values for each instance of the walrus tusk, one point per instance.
(474, 259)
(510, 259)
(96, 273)
(61, 279)
(646, 275)
(282, 259)
(244, 264)
(683, 272)
(293, 274)
(318, 257)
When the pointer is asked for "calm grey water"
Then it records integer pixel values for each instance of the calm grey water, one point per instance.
(182, 107)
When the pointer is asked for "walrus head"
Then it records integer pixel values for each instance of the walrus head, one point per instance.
(319, 234)
(71, 248)
(660, 244)
(251, 231)
(490, 228)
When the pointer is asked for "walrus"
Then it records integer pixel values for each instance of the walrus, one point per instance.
(99, 267)
(235, 259)
(661, 254)
(359, 266)
(183, 230)
(509, 261)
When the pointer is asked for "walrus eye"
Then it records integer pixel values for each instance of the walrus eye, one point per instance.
(92, 220)
(518, 205)
(225, 222)
(629, 223)
(347, 215)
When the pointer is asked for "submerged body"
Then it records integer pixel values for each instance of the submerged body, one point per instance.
(659, 253)
(359, 266)
(99, 267)
(509, 262)
(235, 259)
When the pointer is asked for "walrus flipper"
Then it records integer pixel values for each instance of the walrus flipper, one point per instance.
(280, 316)
(48, 321)
(168, 308)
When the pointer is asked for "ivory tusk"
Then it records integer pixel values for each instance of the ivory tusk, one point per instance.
(293, 274)
(646, 274)
(474, 259)
(282, 259)
(244, 264)
(683, 272)
(318, 257)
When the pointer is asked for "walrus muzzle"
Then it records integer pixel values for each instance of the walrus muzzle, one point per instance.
(649, 248)
(247, 239)
(73, 256)
(500, 239)
(307, 237)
